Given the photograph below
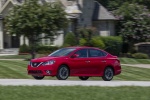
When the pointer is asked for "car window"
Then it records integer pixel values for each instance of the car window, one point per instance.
(96, 53)
(62, 52)
(82, 53)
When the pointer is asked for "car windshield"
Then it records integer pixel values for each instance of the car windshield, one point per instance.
(62, 52)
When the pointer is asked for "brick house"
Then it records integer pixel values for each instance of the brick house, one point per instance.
(82, 13)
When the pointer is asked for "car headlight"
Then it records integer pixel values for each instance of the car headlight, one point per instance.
(51, 62)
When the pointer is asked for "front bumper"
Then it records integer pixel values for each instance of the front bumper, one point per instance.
(42, 70)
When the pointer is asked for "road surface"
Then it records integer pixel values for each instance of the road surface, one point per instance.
(32, 82)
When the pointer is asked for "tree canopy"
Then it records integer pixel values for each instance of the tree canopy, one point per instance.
(32, 18)
(134, 22)
(115, 4)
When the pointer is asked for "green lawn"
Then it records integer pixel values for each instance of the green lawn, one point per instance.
(73, 93)
(18, 70)
(134, 61)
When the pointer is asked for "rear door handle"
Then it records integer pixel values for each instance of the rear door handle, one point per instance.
(87, 61)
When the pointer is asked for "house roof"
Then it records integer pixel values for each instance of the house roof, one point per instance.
(101, 13)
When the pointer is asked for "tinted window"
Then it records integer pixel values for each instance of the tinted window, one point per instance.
(96, 53)
(82, 53)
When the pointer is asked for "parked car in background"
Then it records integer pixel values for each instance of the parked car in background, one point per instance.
(83, 62)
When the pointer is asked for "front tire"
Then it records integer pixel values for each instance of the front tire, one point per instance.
(83, 77)
(63, 72)
(38, 77)
(108, 74)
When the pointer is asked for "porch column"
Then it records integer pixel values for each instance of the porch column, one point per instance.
(1, 34)
(24, 40)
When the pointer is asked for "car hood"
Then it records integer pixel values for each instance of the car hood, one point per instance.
(44, 59)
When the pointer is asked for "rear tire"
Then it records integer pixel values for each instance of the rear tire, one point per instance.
(63, 72)
(83, 77)
(108, 74)
(38, 77)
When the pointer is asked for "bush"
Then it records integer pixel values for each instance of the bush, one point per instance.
(82, 42)
(46, 49)
(70, 39)
(98, 43)
(24, 49)
(140, 56)
(94, 42)
(113, 44)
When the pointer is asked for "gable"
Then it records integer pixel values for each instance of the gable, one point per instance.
(8, 5)
(101, 13)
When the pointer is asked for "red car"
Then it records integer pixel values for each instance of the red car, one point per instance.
(83, 62)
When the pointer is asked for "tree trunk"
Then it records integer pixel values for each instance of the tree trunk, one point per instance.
(32, 45)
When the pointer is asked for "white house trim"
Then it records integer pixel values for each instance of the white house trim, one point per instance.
(1, 34)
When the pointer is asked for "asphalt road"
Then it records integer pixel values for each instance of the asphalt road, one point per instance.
(32, 82)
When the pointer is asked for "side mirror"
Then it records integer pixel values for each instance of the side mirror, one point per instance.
(75, 56)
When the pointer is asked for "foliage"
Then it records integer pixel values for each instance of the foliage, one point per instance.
(24, 49)
(140, 56)
(135, 22)
(32, 18)
(82, 42)
(46, 49)
(115, 4)
(94, 42)
(70, 39)
(113, 44)
(86, 35)
(97, 43)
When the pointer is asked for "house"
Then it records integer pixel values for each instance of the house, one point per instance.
(82, 13)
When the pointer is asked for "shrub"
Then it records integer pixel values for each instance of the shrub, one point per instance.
(140, 56)
(46, 49)
(97, 43)
(70, 39)
(24, 49)
(82, 42)
(94, 42)
(113, 44)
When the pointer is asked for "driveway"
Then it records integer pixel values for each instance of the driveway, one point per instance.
(32, 82)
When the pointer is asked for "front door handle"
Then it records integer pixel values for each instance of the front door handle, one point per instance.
(103, 61)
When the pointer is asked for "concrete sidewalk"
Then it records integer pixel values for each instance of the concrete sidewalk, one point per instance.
(32, 82)
(137, 65)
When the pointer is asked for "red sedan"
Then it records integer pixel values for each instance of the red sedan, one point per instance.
(83, 62)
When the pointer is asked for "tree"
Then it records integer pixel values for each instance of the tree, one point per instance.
(32, 19)
(115, 4)
(134, 23)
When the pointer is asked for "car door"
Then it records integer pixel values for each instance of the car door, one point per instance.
(79, 64)
(97, 61)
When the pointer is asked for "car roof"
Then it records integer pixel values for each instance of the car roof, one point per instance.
(80, 47)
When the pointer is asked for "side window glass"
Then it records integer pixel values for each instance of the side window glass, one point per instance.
(82, 53)
(96, 53)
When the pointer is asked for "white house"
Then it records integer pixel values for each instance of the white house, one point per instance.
(82, 13)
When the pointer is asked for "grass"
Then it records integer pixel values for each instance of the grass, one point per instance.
(73, 93)
(134, 61)
(18, 70)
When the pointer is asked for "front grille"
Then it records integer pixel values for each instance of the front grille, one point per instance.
(35, 64)
(35, 72)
